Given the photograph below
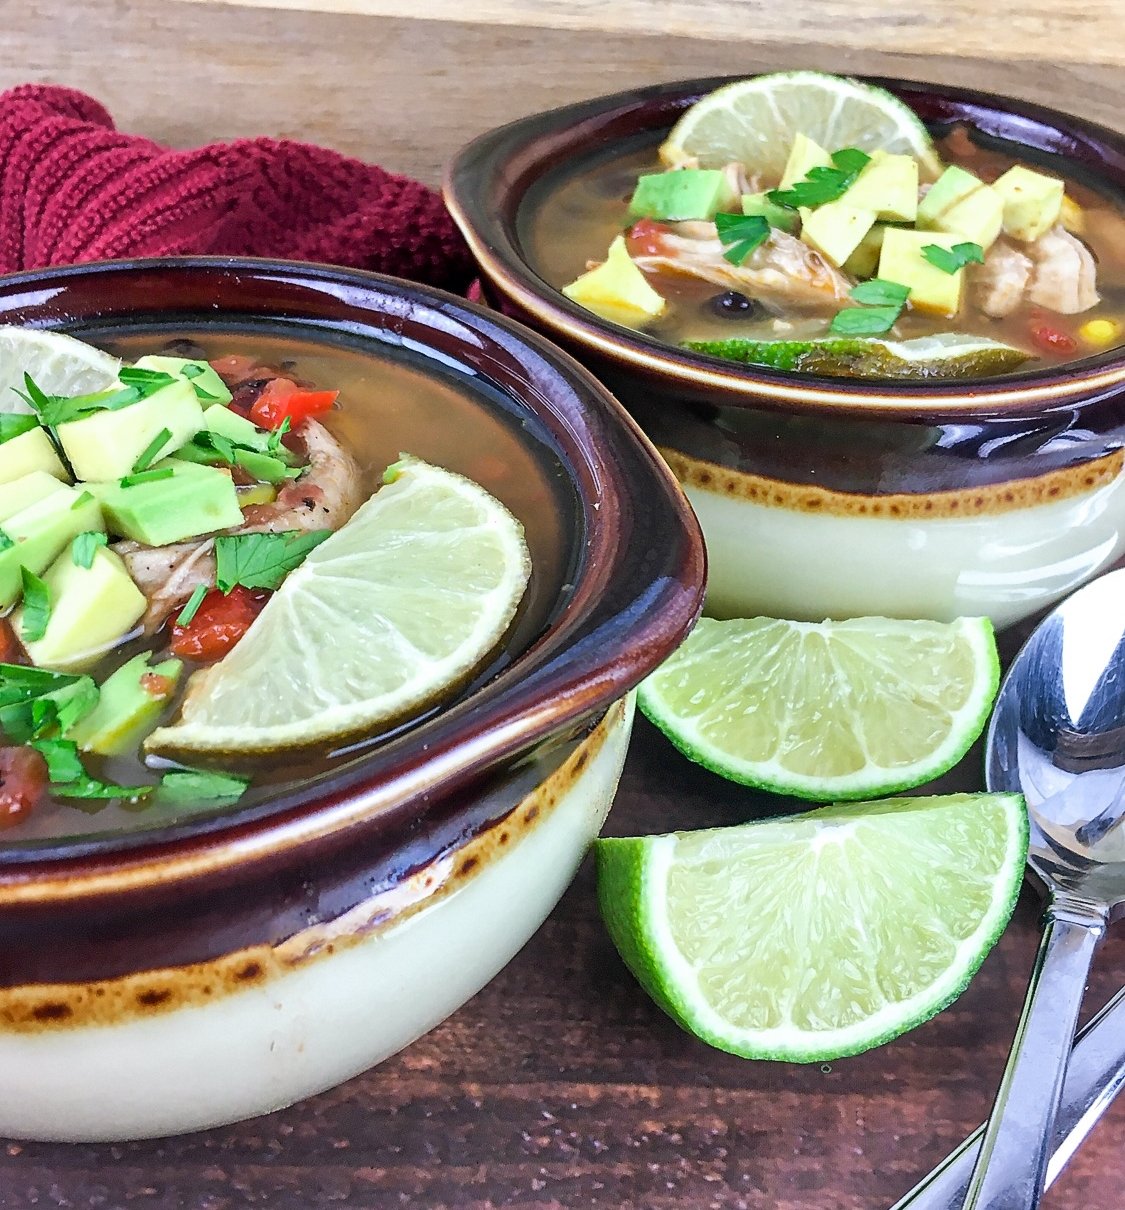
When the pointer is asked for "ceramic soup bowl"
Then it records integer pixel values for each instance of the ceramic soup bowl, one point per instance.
(823, 496)
(160, 975)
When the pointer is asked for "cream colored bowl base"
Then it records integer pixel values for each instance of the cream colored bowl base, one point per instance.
(1005, 551)
(323, 1006)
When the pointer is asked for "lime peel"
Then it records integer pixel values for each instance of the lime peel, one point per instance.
(832, 710)
(660, 895)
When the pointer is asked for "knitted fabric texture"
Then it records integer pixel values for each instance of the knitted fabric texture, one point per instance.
(72, 188)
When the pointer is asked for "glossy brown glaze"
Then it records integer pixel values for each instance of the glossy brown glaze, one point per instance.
(867, 437)
(45, 1006)
(193, 892)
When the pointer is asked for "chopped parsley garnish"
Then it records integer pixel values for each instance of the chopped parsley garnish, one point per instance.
(191, 606)
(54, 410)
(949, 260)
(85, 546)
(148, 381)
(823, 184)
(36, 606)
(192, 370)
(880, 293)
(262, 560)
(91, 787)
(151, 451)
(741, 234)
(186, 787)
(63, 762)
(163, 472)
(273, 442)
(6, 543)
(882, 304)
(34, 701)
(13, 424)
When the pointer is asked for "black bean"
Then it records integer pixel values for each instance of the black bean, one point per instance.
(733, 305)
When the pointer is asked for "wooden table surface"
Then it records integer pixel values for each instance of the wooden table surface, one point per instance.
(560, 1085)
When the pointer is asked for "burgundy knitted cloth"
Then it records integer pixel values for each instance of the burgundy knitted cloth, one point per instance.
(72, 188)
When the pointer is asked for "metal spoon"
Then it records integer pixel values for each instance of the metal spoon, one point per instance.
(1058, 736)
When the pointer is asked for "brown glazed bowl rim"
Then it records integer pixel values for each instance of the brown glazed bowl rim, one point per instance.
(637, 590)
(488, 180)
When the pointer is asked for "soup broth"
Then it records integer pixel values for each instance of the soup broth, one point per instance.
(567, 223)
(387, 406)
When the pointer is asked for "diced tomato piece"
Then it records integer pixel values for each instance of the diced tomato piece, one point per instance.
(157, 686)
(23, 783)
(1052, 340)
(282, 398)
(11, 649)
(219, 622)
(645, 238)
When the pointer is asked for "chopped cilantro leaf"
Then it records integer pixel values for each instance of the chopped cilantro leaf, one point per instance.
(273, 442)
(35, 702)
(949, 260)
(6, 543)
(85, 498)
(823, 184)
(14, 424)
(148, 381)
(63, 761)
(864, 321)
(741, 234)
(223, 445)
(85, 546)
(91, 787)
(191, 608)
(36, 606)
(880, 293)
(190, 787)
(262, 560)
(163, 472)
(148, 457)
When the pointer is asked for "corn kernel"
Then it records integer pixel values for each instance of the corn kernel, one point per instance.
(1100, 332)
(1072, 215)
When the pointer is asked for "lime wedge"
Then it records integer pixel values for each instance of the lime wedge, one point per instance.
(946, 355)
(829, 710)
(820, 935)
(755, 121)
(390, 614)
(59, 364)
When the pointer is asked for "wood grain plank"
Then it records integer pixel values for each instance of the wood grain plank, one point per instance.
(1034, 29)
(408, 93)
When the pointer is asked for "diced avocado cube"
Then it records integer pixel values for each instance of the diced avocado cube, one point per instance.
(777, 216)
(30, 451)
(131, 701)
(887, 184)
(953, 186)
(24, 492)
(192, 500)
(835, 229)
(202, 376)
(684, 193)
(1032, 203)
(803, 155)
(902, 260)
(864, 261)
(107, 444)
(41, 531)
(977, 217)
(617, 290)
(241, 431)
(263, 467)
(91, 609)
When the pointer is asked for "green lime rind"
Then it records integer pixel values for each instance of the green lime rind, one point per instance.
(856, 358)
(872, 780)
(915, 936)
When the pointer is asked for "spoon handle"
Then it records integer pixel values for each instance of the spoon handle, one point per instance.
(1012, 1165)
(1094, 1076)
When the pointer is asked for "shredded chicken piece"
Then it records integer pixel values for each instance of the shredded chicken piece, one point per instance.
(1066, 275)
(783, 267)
(324, 497)
(1001, 282)
(738, 180)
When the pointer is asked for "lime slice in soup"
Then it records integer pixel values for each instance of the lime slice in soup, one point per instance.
(945, 355)
(754, 122)
(820, 935)
(387, 616)
(830, 710)
(59, 365)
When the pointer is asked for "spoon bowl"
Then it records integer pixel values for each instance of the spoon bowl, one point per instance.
(1057, 736)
